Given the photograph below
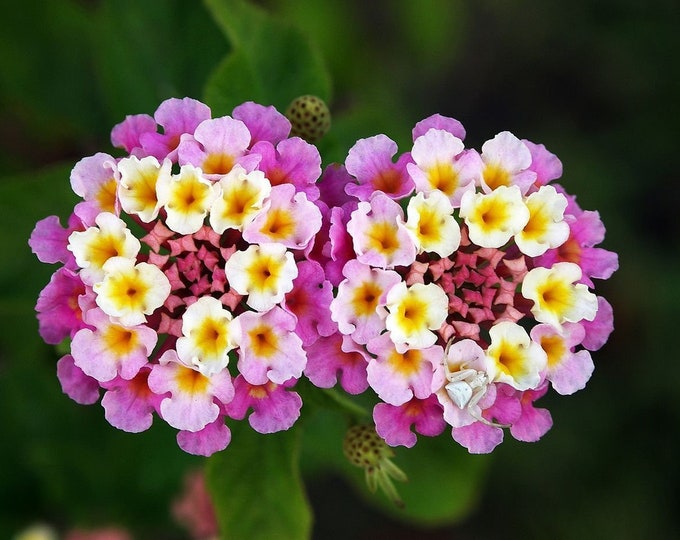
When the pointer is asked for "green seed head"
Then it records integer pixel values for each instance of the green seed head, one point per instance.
(310, 118)
(364, 448)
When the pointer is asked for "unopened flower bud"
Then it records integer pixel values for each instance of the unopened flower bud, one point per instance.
(310, 118)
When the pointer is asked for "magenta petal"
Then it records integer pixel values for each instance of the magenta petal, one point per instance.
(49, 239)
(278, 413)
(214, 437)
(59, 315)
(310, 302)
(75, 384)
(337, 356)
(393, 423)
(599, 329)
(126, 134)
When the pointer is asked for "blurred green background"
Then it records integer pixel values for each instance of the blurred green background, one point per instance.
(597, 82)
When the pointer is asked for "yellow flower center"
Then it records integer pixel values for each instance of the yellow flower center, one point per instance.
(496, 176)
(263, 341)
(120, 340)
(106, 196)
(406, 363)
(191, 381)
(443, 177)
(554, 348)
(218, 164)
(280, 224)
(365, 298)
(382, 237)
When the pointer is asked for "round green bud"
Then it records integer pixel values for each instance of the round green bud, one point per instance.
(309, 117)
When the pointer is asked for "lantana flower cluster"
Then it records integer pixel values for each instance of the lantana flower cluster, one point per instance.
(210, 268)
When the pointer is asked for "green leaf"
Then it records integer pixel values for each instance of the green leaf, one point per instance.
(272, 62)
(144, 52)
(256, 486)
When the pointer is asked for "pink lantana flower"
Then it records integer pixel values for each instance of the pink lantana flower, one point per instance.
(270, 350)
(49, 240)
(394, 423)
(586, 230)
(93, 178)
(214, 437)
(216, 146)
(264, 122)
(275, 408)
(533, 423)
(81, 388)
(194, 399)
(291, 161)
(369, 161)
(507, 162)
(109, 349)
(437, 121)
(309, 301)
(129, 405)
(337, 358)
(287, 218)
(442, 164)
(567, 370)
(177, 117)
(359, 306)
(378, 234)
(397, 376)
(59, 313)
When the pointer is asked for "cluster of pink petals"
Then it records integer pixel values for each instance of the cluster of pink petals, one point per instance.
(136, 370)
(320, 274)
(421, 391)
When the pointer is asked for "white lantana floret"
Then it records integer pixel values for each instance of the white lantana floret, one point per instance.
(557, 296)
(208, 336)
(494, 218)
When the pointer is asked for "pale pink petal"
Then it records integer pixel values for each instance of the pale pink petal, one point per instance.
(370, 162)
(129, 405)
(478, 438)
(265, 123)
(214, 437)
(437, 121)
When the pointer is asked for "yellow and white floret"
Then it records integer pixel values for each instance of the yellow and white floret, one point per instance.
(493, 218)
(187, 198)
(242, 196)
(207, 336)
(96, 245)
(137, 186)
(513, 358)
(131, 291)
(431, 224)
(546, 227)
(556, 295)
(414, 312)
(264, 272)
